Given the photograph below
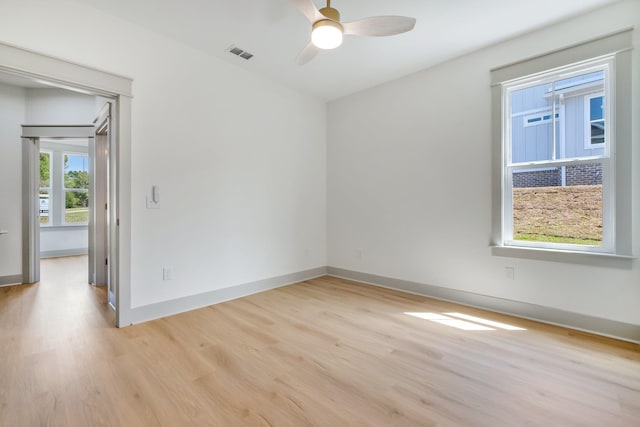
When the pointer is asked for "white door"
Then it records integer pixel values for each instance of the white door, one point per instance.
(99, 206)
(30, 208)
(104, 228)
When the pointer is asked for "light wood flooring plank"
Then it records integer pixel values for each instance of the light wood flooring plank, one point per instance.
(325, 352)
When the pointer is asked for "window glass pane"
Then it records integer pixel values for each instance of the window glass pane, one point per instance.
(76, 171)
(597, 132)
(45, 170)
(596, 108)
(582, 82)
(76, 183)
(596, 117)
(76, 206)
(531, 124)
(545, 210)
(44, 207)
(552, 121)
(45, 186)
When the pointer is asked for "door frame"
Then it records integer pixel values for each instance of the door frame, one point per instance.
(101, 198)
(68, 75)
(31, 136)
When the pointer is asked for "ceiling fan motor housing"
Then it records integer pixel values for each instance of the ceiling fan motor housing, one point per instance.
(333, 19)
(331, 13)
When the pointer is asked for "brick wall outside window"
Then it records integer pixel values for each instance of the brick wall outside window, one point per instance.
(590, 174)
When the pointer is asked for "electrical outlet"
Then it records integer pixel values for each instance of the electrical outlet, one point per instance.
(510, 273)
(167, 273)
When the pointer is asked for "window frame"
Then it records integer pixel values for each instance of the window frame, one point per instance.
(57, 193)
(604, 64)
(617, 45)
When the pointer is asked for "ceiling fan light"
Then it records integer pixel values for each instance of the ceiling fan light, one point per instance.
(326, 34)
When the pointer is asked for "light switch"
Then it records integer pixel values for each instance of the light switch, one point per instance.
(153, 202)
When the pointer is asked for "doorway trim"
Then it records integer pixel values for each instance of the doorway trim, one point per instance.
(68, 75)
(31, 135)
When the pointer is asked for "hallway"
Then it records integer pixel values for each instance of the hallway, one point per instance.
(61, 304)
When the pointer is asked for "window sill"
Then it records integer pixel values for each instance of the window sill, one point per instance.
(572, 257)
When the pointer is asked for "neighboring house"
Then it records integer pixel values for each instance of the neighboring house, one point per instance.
(576, 106)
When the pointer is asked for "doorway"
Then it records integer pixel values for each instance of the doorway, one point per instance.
(25, 64)
(67, 197)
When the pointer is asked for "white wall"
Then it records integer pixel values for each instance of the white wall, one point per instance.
(242, 168)
(57, 242)
(409, 182)
(240, 160)
(34, 106)
(52, 106)
(12, 113)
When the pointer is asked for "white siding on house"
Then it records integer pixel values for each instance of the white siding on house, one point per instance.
(532, 132)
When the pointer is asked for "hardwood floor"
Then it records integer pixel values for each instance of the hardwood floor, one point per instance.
(326, 352)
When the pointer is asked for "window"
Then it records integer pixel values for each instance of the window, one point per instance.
(64, 182)
(594, 120)
(538, 118)
(45, 186)
(562, 181)
(553, 187)
(76, 188)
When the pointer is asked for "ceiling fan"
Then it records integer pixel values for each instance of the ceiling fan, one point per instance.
(327, 30)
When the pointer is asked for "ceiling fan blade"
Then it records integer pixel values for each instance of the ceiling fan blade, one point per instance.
(378, 26)
(307, 54)
(308, 9)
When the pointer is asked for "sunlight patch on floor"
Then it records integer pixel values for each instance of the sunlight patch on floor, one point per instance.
(450, 321)
(486, 322)
(464, 321)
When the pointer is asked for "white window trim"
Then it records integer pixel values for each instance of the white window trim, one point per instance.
(602, 64)
(57, 150)
(617, 45)
(587, 120)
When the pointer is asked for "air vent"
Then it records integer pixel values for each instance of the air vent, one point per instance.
(241, 53)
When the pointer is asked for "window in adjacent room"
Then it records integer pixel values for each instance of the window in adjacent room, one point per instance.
(64, 183)
(76, 188)
(45, 186)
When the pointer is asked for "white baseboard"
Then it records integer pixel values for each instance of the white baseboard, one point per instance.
(63, 252)
(15, 279)
(595, 325)
(193, 302)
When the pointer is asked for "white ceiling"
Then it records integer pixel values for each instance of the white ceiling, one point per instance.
(275, 31)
